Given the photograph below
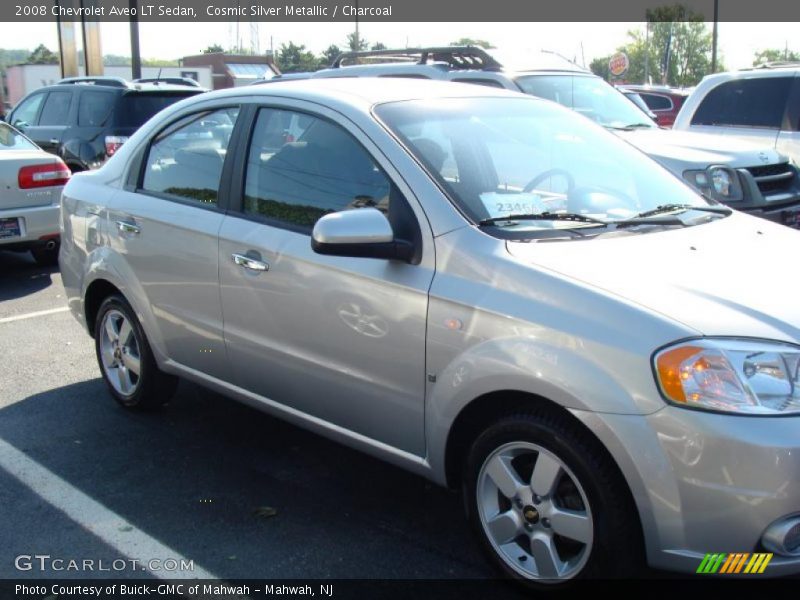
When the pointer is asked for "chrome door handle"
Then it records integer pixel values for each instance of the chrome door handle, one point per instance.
(250, 263)
(126, 227)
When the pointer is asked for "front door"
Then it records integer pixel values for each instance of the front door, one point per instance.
(341, 339)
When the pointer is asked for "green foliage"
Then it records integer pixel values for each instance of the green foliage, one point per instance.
(296, 214)
(689, 42)
(329, 55)
(12, 57)
(378, 46)
(42, 56)
(774, 55)
(213, 48)
(294, 59)
(354, 46)
(465, 41)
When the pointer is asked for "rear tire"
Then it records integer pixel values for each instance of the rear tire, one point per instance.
(547, 503)
(126, 360)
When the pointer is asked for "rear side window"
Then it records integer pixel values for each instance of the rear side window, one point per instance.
(94, 108)
(745, 103)
(655, 102)
(186, 160)
(27, 110)
(301, 168)
(56, 108)
(135, 108)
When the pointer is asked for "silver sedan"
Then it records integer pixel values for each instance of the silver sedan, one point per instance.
(479, 286)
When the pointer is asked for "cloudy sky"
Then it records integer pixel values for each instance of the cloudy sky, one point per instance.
(737, 41)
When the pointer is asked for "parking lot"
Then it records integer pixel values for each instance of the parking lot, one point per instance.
(81, 478)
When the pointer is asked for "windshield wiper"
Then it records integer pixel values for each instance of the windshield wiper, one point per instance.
(544, 216)
(630, 127)
(665, 208)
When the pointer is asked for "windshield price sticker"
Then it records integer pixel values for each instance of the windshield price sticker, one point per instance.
(501, 205)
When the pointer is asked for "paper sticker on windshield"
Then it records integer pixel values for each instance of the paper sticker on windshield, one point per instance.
(503, 205)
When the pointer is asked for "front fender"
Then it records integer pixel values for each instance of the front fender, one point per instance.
(569, 377)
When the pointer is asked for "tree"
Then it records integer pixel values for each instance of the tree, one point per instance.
(465, 41)
(356, 47)
(378, 46)
(329, 55)
(774, 55)
(42, 56)
(293, 59)
(676, 49)
(213, 48)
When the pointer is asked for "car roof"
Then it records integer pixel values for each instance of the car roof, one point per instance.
(366, 91)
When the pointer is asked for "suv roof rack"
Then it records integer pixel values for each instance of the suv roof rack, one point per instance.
(185, 81)
(773, 65)
(456, 57)
(109, 81)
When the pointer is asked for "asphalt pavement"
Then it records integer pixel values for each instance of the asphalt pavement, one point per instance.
(207, 480)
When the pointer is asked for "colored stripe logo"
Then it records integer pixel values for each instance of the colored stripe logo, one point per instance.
(738, 562)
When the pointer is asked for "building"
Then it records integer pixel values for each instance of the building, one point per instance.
(23, 79)
(233, 70)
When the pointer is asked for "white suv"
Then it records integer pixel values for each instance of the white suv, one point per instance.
(761, 105)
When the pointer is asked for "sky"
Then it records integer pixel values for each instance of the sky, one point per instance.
(579, 41)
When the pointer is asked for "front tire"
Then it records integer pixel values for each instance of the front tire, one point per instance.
(126, 360)
(547, 504)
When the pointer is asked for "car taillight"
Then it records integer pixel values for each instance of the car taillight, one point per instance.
(46, 175)
(113, 143)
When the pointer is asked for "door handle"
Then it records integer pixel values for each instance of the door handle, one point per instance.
(54, 141)
(126, 227)
(250, 263)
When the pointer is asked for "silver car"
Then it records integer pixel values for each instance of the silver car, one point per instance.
(31, 181)
(476, 285)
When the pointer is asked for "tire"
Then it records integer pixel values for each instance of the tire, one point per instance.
(45, 257)
(122, 349)
(570, 514)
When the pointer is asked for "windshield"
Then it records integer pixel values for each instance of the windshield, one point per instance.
(499, 157)
(590, 96)
(11, 139)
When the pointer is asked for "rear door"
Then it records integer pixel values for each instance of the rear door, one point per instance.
(166, 228)
(341, 339)
(55, 117)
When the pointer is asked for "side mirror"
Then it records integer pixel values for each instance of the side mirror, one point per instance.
(359, 233)
(21, 125)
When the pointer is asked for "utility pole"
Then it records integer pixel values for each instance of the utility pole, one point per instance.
(358, 39)
(714, 38)
(136, 55)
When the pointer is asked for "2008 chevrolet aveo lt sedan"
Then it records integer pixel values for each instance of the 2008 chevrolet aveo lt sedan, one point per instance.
(481, 287)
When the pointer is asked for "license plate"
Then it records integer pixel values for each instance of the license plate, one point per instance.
(791, 218)
(9, 228)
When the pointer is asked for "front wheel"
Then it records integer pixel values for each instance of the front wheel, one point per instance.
(125, 358)
(547, 504)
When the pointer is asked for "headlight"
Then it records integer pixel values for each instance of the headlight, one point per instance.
(720, 183)
(731, 375)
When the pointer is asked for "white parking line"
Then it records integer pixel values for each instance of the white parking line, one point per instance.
(38, 313)
(110, 527)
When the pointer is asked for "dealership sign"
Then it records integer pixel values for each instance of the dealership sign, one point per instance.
(618, 64)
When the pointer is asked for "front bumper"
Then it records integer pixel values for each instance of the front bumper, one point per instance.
(707, 483)
(38, 225)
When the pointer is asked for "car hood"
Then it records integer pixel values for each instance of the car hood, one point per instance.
(702, 149)
(728, 277)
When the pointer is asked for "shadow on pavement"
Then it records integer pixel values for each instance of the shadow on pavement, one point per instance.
(21, 276)
(194, 476)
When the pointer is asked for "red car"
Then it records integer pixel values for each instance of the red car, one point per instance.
(664, 101)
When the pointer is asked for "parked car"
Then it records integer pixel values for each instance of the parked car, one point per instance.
(478, 286)
(640, 104)
(749, 177)
(664, 101)
(84, 120)
(31, 181)
(761, 105)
